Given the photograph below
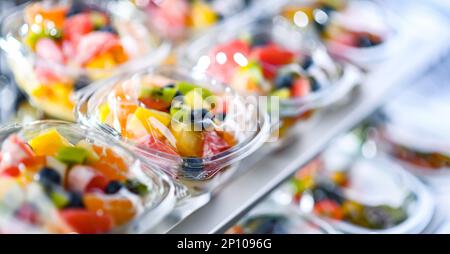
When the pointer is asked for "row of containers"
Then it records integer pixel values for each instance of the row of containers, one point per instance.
(388, 175)
(161, 100)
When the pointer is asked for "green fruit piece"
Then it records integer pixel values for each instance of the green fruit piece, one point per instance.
(98, 19)
(136, 187)
(283, 93)
(72, 155)
(168, 94)
(154, 92)
(185, 87)
(92, 156)
(59, 198)
(194, 99)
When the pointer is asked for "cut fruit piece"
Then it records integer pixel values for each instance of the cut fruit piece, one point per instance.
(213, 144)
(14, 151)
(273, 54)
(195, 99)
(283, 93)
(85, 178)
(301, 87)
(48, 143)
(151, 142)
(92, 156)
(222, 57)
(47, 49)
(155, 103)
(87, 222)
(104, 112)
(72, 155)
(189, 143)
(121, 209)
(202, 16)
(185, 87)
(109, 156)
(143, 119)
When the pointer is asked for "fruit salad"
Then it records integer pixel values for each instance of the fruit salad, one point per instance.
(191, 127)
(345, 26)
(268, 58)
(53, 179)
(332, 199)
(177, 19)
(56, 48)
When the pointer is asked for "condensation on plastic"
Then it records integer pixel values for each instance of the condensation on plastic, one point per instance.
(150, 51)
(336, 79)
(154, 207)
(249, 139)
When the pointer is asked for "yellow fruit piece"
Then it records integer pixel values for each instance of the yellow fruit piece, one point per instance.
(105, 61)
(103, 112)
(202, 16)
(141, 122)
(189, 143)
(48, 143)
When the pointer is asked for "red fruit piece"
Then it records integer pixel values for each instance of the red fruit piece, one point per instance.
(222, 57)
(213, 144)
(94, 44)
(301, 87)
(273, 54)
(14, 151)
(156, 103)
(152, 142)
(87, 222)
(329, 208)
(28, 214)
(85, 179)
(77, 26)
(49, 50)
(11, 171)
(169, 16)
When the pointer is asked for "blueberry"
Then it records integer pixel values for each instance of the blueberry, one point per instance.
(20, 99)
(307, 62)
(170, 85)
(314, 84)
(178, 93)
(77, 7)
(364, 42)
(48, 177)
(283, 81)
(327, 191)
(260, 40)
(136, 187)
(113, 187)
(75, 200)
(81, 83)
(108, 29)
(201, 118)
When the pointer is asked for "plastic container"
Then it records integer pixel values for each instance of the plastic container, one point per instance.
(272, 218)
(361, 195)
(66, 46)
(201, 157)
(416, 134)
(179, 20)
(360, 31)
(241, 53)
(42, 194)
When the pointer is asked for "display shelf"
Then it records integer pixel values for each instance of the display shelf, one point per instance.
(418, 50)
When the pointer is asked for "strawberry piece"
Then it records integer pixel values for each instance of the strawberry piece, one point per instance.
(85, 179)
(87, 222)
(49, 50)
(213, 144)
(11, 171)
(169, 17)
(77, 26)
(329, 208)
(301, 87)
(223, 68)
(95, 44)
(272, 54)
(152, 142)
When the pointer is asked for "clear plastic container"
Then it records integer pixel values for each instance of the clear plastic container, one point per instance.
(360, 31)
(318, 80)
(273, 218)
(180, 19)
(186, 158)
(416, 134)
(51, 61)
(361, 195)
(41, 193)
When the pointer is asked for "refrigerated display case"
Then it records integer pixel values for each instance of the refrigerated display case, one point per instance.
(258, 180)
